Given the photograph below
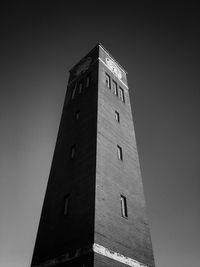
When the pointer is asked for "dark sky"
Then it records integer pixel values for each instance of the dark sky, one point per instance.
(158, 44)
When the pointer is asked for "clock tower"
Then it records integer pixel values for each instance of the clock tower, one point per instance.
(94, 208)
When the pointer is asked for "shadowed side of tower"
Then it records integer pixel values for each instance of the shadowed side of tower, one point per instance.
(94, 208)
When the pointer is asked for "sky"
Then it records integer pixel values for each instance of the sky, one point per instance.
(158, 44)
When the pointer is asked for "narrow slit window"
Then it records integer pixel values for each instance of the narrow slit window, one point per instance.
(73, 92)
(88, 78)
(114, 85)
(77, 114)
(119, 152)
(117, 116)
(66, 205)
(108, 81)
(124, 210)
(73, 150)
(121, 94)
(80, 87)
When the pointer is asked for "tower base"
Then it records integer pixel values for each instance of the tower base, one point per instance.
(91, 256)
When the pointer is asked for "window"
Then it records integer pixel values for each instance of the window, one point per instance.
(66, 205)
(80, 87)
(114, 85)
(121, 94)
(124, 210)
(117, 116)
(73, 150)
(73, 92)
(77, 114)
(107, 81)
(88, 81)
(119, 153)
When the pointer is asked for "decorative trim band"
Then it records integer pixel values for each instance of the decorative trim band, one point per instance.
(99, 249)
(109, 69)
(116, 256)
(66, 257)
(108, 53)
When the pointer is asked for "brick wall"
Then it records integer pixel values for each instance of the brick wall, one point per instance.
(128, 236)
(95, 178)
(57, 233)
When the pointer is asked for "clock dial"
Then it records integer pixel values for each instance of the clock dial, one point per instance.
(113, 67)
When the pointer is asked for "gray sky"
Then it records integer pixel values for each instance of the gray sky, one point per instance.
(159, 47)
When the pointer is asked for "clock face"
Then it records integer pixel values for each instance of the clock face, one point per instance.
(83, 66)
(113, 67)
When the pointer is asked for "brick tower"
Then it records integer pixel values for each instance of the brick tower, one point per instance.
(94, 208)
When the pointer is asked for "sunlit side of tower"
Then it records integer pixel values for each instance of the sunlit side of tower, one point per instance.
(94, 208)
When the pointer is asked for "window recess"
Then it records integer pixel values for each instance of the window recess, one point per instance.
(77, 115)
(117, 118)
(66, 205)
(114, 86)
(119, 153)
(88, 80)
(80, 87)
(73, 92)
(124, 210)
(108, 85)
(121, 94)
(73, 150)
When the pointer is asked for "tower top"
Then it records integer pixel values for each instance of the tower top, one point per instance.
(99, 54)
(99, 45)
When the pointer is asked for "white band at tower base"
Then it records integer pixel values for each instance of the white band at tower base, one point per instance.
(116, 256)
(99, 249)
